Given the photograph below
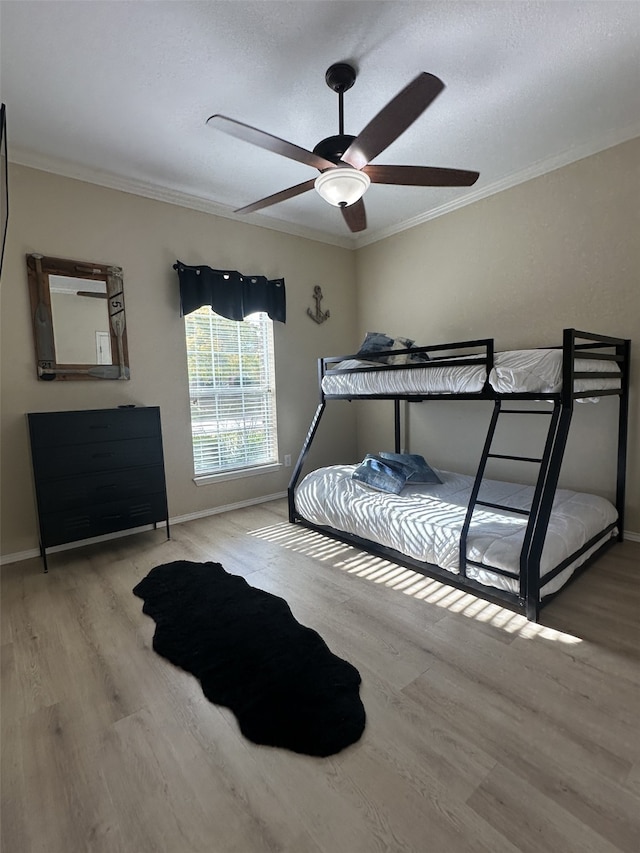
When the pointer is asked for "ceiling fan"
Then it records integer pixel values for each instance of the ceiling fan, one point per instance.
(343, 160)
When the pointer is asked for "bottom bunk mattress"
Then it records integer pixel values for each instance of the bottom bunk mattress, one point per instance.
(424, 522)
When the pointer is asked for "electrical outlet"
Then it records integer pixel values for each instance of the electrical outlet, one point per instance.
(287, 460)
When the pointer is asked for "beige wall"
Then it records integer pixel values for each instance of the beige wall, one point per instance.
(70, 219)
(559, 251)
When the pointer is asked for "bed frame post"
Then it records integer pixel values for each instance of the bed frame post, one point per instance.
(397, 425)
(548, 481)
(623, 415)
(541, 509)
(303, 453)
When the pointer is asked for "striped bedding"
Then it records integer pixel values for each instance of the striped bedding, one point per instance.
(536, 371)
(424, 522)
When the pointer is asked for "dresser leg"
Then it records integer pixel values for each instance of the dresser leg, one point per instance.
(43, 554)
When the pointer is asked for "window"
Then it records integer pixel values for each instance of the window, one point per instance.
(232, 391)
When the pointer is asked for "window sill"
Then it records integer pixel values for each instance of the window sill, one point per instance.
(207, 479)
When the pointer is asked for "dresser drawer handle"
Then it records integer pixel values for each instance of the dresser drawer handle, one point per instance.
(111, 517)
(101, 455)
(99, 426)
(106, 486)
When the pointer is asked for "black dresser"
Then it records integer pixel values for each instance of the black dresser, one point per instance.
(97, 472)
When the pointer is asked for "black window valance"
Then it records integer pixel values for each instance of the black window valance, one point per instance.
(229, 293)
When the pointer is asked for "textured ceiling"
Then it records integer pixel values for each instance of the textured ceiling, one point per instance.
(119, 92)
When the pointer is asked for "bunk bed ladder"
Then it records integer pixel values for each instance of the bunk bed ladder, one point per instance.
(542, 498)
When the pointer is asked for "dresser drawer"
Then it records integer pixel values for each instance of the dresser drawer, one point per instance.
(100, 456)
(83, 523)
(61, 429)
(58, 495)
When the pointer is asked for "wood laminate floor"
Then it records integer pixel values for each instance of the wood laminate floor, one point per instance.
(484, 732)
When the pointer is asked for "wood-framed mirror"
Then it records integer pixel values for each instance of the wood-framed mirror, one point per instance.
(79, 326)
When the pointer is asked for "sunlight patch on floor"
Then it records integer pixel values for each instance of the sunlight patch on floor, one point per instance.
(407, 581)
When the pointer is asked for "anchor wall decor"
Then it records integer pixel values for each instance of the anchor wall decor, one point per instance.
(318, 316)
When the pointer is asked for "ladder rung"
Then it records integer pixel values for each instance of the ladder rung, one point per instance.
(526, 411)
(502, 506)
(516, 458)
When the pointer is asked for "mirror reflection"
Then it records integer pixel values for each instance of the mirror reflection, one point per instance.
(78, 319)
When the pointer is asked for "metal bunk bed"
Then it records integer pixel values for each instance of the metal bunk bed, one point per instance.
(576, 344)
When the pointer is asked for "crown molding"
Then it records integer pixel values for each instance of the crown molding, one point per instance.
(77, 172)
(542, 167)
(24, 157)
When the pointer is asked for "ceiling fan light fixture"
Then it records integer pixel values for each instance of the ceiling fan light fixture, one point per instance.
(342, 186)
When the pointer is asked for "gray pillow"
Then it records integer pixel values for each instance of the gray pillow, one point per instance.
(378, 342)
(414, 465)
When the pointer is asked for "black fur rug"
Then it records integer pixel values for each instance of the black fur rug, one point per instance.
(245, 647)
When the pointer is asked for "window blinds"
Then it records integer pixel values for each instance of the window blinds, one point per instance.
(232, 391)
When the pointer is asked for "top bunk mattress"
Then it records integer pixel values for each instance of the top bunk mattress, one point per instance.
(537, 371)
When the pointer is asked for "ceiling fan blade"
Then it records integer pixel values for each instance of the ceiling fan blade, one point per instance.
(355, 216)
(268, 142)
(393, 119)
(276, 197)
(421, 176)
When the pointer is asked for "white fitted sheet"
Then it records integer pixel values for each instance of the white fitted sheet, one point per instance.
(424, 522)
(536, 371)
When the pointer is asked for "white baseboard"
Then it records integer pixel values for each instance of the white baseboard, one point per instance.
(191, 516)
(179, 519)
(632, 537)
(55, 549)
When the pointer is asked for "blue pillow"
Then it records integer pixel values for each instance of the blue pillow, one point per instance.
(380, 474)
(415, 467)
